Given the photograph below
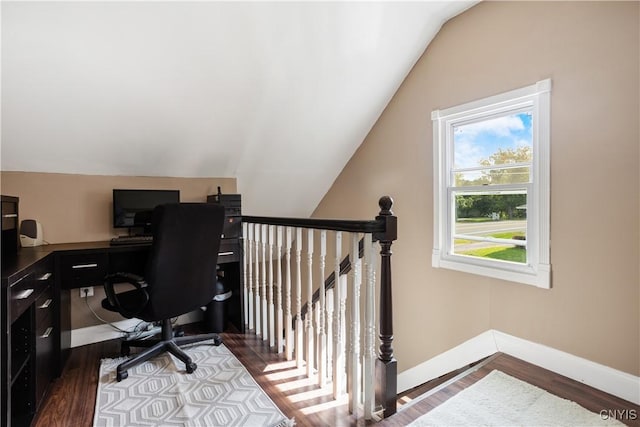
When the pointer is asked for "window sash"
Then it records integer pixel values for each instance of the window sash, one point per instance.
(508, 189)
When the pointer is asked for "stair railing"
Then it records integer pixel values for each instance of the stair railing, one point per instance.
(315, 334)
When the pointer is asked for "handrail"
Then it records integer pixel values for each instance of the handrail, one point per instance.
(354, 226)
(383, 227)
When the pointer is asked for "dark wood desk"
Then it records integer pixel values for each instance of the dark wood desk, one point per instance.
(36, 316)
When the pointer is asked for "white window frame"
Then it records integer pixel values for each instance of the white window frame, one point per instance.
(537, 270)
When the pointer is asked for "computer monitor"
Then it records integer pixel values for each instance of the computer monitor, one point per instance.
(133, 208)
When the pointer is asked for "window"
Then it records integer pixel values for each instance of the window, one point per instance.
(491, 186)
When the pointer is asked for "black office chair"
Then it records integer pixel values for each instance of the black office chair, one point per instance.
(180, 277)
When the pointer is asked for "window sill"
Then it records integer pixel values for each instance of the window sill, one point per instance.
(539, 275)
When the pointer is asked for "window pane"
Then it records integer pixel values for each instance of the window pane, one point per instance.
(491, 225)
(497, 141)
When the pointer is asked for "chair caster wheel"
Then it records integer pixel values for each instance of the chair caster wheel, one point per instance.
(122, 376)
(217, 341)
(191, 367)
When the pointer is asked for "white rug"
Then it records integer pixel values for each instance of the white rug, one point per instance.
(159, 392)
(501, 400)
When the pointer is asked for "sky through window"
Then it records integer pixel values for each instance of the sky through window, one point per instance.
(474, 142)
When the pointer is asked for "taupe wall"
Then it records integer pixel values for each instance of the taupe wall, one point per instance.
(591, 52)
(77, 208)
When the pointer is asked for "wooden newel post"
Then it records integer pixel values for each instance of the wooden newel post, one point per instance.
(386, 364)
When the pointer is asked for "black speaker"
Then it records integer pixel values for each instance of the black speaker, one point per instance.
(29, 228)
(30, 233)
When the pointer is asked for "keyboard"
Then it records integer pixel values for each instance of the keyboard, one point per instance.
(131, 240)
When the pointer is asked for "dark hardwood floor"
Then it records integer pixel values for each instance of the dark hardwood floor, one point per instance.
(71, 399)
(588, 397)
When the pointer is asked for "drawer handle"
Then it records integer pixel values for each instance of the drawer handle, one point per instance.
(45, 276)
(79, 266)
(46, 304)
(24, 294)
(47, 332)
(12, 215)
(225, 253)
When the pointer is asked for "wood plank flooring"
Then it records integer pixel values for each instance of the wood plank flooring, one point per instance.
(588, 397)
(71, 399)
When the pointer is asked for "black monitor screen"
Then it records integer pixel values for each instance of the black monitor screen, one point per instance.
(133, 208)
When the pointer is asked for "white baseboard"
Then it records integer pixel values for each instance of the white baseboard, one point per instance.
(464, 354)
(605, 378)
(612, 381)
(98, 333)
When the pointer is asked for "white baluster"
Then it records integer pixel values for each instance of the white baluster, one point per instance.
(369, 335)
(299, 325)
(250, 264)
(263, 304)
(329, 322)
(343, 330)
(272, 341)
(245, 287)
(322, 334)
(309, 316)
(353, 372)
(279, 314)
(288, 335)
(257, 281)
(337, 355)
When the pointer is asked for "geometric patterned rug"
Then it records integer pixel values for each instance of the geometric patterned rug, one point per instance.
(159, 392)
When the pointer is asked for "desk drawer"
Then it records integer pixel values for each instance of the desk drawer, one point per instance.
(80, 270)
(45, 305)
(229, 251)
(23, 294)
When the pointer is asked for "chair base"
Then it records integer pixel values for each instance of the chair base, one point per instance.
(167, 343)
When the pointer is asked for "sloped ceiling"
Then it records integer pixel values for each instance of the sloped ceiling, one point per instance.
(278, 95)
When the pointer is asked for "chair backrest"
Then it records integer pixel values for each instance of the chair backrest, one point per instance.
(181, 272)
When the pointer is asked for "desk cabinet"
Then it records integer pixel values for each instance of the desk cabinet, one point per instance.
(29, 324)
(10, 220)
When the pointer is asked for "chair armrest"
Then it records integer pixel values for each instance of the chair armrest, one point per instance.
(112, 297)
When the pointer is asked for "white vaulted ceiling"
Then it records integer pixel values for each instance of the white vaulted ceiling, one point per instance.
(276, 94)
